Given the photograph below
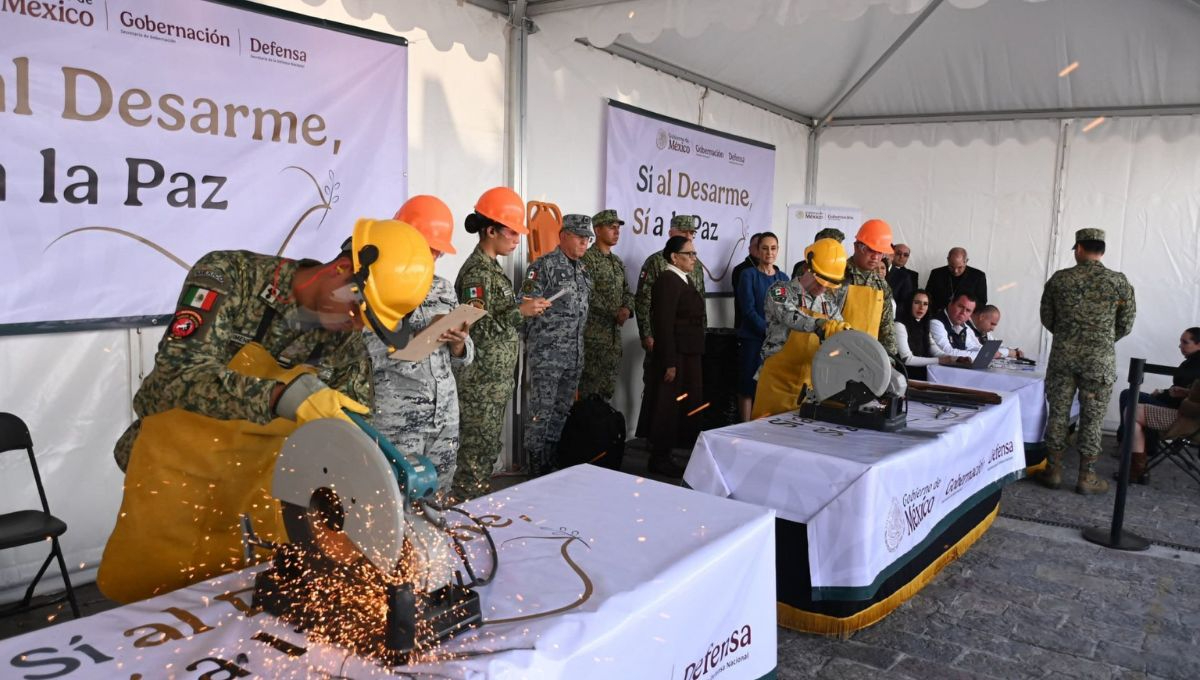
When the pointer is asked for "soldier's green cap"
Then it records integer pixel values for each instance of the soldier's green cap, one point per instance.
(684, 222)
(830, 232)
(1089, 235)
(580, 225)
(606, 217)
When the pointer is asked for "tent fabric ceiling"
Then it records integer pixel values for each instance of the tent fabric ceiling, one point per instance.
(1004, 55)
(801, 55)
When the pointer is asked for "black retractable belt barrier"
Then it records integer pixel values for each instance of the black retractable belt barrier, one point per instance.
(1115, 537)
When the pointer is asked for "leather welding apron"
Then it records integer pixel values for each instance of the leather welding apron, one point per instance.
(785, 373)
(190, 478)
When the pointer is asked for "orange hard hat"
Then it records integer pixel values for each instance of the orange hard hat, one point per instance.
(430, 216)
(503, 205)
(876, 235)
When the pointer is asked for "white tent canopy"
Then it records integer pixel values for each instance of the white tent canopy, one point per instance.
(965, 135)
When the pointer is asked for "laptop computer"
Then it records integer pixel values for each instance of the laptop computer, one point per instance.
(985, 355)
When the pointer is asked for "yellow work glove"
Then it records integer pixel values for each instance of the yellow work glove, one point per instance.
(832, 327)
(307, 398)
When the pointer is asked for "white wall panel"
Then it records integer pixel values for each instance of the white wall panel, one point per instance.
(1136, 178)
(983, 186)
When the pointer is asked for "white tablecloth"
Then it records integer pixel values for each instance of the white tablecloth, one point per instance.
(1027, 384)
(869, 499)
(602, 575)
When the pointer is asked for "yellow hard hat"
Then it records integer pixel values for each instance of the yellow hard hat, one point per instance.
(827, 260)
(393, 270)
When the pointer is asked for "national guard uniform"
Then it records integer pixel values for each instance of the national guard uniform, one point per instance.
(870, 279)
(789, 307)
(651, 268)
(1088, 308)
(416, 403)
(602, 335)
(554, 344)
(485, 386)
(231, 298)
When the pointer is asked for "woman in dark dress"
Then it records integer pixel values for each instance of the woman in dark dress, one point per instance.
(674, 381)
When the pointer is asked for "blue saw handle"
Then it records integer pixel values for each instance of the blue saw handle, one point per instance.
(415, 473)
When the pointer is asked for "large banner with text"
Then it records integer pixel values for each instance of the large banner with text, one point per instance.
(140, 134)
(804, 221)
(658, 167)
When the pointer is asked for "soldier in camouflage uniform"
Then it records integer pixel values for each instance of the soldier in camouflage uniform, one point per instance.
(485, 386)
(609, 308)
(873, 241)
(1088, 308)
(554, 340)
(790, 305)
(229, 299)
(655, 264)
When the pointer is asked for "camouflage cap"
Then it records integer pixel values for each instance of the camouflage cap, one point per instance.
(830, 232)
(606, 217)
(1089, 235)
(580, 225)
(684, 222)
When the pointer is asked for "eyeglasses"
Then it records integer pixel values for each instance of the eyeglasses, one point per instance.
(689, 253)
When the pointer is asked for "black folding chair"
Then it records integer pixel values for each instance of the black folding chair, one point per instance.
(1184, 452)
(31, 526)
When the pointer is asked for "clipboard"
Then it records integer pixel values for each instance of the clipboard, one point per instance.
(426, 342)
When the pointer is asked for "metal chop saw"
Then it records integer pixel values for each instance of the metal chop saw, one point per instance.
(854, 383)
(372, 564)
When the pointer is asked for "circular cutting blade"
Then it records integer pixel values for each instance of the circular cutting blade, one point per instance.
(335, 454)
(850, 355)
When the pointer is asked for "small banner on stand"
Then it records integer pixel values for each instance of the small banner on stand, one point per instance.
(658, 167)
(804, 221)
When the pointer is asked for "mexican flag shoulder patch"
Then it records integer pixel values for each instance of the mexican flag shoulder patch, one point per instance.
(779, 292)
(474, 292)
(199, 298)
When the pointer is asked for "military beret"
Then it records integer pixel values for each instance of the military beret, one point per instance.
(684, 222)
(830, 232)
(580, 225)
(606, 217)
(1089, 235)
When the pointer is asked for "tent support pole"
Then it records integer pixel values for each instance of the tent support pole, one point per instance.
(810, 165)
(887, 54)
(1061, 158)
(515, 176)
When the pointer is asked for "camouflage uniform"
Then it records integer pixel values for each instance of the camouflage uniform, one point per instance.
(787, 309)
(651, 268)
(602, 335)
(830, 232)
(226, 296)
(485, 386)
(554, 349)
(1088, 308)
(416, 404)
(870, 279)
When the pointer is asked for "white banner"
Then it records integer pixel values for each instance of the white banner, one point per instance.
(602, 575)
(869, 498)
(659, 167)
(804, 221)
(141, 134)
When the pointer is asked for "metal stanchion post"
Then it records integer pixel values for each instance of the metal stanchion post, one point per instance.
(1115, 537)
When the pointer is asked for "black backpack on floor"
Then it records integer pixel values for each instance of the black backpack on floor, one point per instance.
(594, 433)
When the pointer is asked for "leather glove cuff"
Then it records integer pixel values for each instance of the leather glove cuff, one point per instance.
(296, 392)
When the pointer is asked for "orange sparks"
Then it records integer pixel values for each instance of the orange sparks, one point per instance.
(698, 409)
(1094, 123)
(681, 397)
(1066, 71)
